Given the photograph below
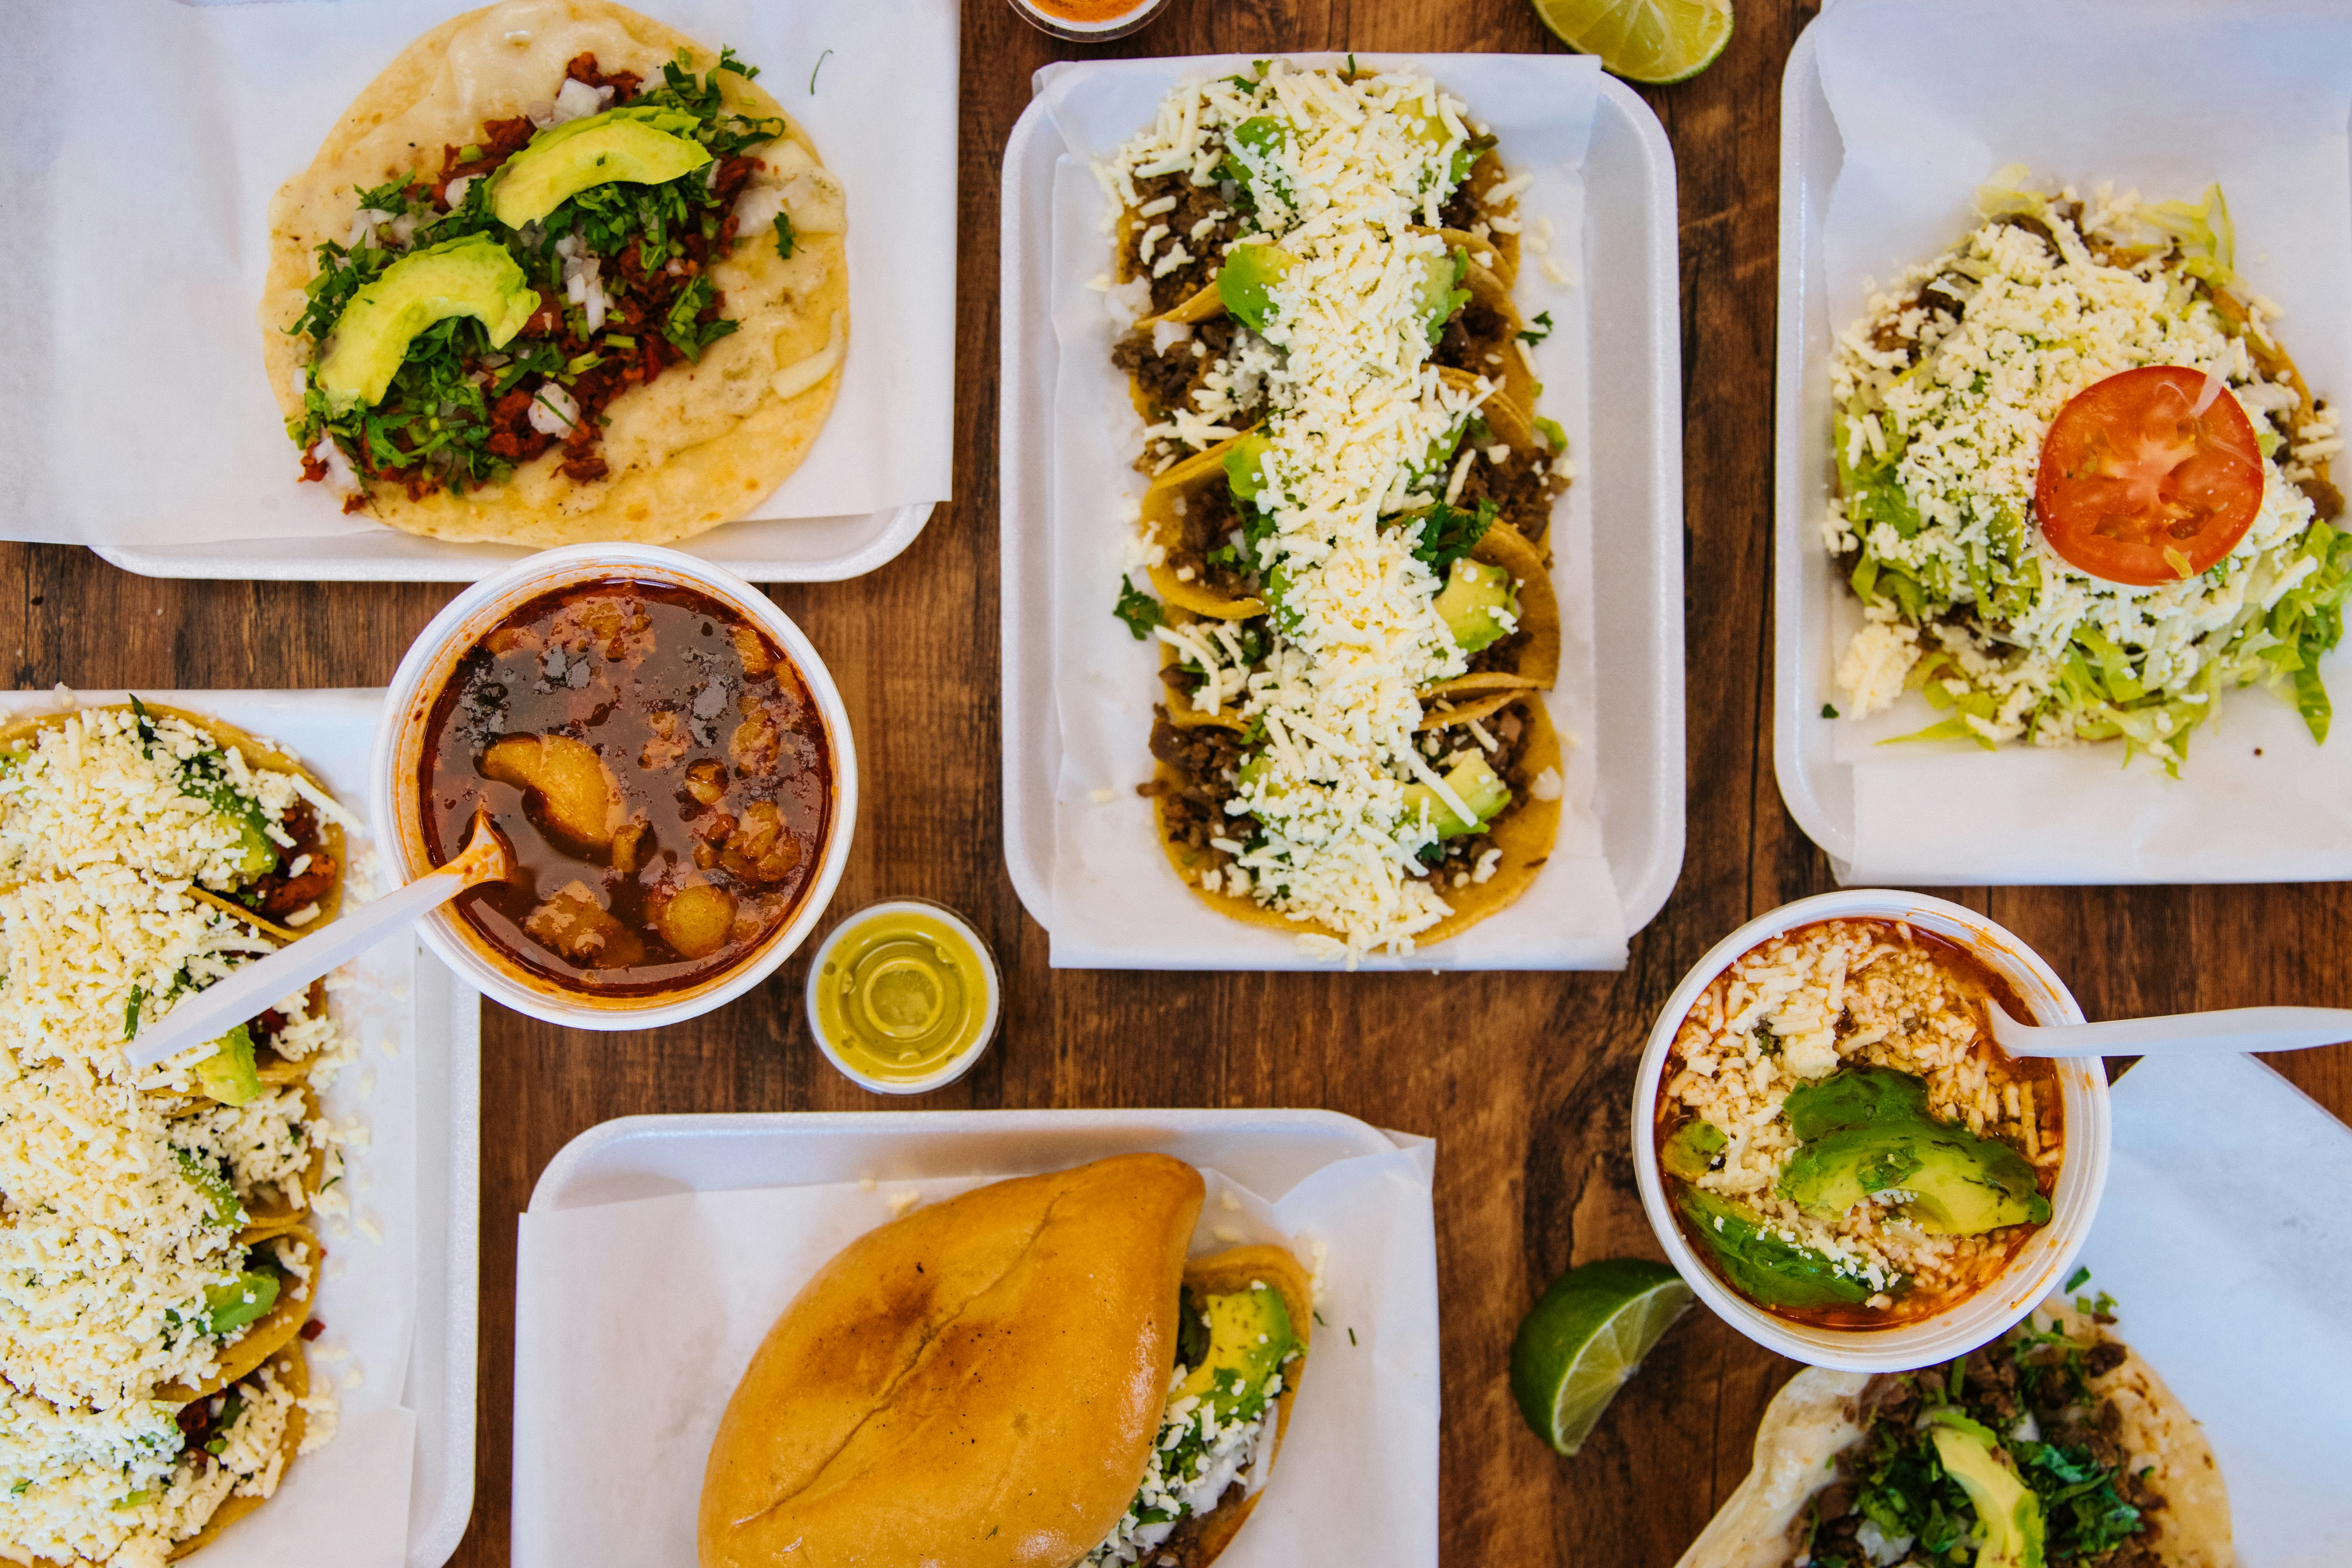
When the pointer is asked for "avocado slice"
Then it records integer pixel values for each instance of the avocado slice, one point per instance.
(1472, 592)
(227, 1075)
(2007, 1513)
(219, 1197)
(240, 1303)
(1480, 788)
(1437, 293)
(1763, 1266)
(1246, 281)
(1866, 1129)
(469, 277)
(1243, 474)
(1250, 1336)
(639, 146)
(1690, 1150)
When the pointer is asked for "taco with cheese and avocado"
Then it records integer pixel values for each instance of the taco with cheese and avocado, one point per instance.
(2054, 1447)
(560, 274)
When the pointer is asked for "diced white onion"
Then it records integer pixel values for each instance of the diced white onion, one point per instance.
(339, 476)
(542, 112)
(552, 410)
(594, 303)
(402, 229)
(454, 192)
(364, 224)
(577, 100)
(757, 207)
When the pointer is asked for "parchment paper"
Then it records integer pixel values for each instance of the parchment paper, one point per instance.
(635, 1321)
(1117, 904)
(2225, 1240)
(142, 140)
(347, 1502)
(1930, 99)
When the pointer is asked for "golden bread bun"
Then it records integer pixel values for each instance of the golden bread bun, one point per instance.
(975, 1385)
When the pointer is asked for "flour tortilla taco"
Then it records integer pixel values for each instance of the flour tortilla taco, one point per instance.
(2056, 1444)
(558, 274)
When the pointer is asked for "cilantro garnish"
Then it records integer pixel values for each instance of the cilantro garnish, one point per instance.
(1539, 331)
(2077, 1279)
(1140, 610)
(691, 336)
(131, 1011)
(1448, 533)
(786, 241)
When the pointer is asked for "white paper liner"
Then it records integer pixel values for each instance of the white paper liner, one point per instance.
(2225, 1240)
(347, 1503)
(665, 1299)
(1931, 96)
(1117, 901)
(143, 145)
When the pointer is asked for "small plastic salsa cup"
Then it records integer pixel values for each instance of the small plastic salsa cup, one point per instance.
(1088, 21)
(903, 997)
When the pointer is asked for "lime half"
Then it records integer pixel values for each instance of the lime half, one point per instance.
(1642, 40)
(1585, 1338)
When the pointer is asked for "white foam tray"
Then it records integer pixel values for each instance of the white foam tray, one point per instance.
(783, 550)
(1806, 598)
(330, 730)
(1634, 470)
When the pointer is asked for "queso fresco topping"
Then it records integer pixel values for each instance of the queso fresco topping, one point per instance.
(484, 312)
(1842, 1140)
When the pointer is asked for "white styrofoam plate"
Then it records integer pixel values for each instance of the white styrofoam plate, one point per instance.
(634, 1213)
(779, 550)
(330, 731)
(1634, 469)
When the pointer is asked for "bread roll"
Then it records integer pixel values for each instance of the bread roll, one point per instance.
(975, 1385)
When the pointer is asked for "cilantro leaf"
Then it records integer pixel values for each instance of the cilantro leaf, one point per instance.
(786, 240)
(1539, 331)
(1140, 611)
(1447, 533)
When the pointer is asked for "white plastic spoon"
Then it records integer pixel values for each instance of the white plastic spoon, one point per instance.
(2231, 1029)
(255, 988)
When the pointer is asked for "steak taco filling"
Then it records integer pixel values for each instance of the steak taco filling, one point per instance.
(485, 308)
(1349, 502)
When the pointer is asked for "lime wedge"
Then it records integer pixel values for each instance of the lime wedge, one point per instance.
(1642, 40)
(1586, 1337)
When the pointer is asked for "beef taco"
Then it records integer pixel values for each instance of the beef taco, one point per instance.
(2056, 1444)
(558, 274)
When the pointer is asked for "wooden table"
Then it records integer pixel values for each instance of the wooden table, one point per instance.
(1523, 1079)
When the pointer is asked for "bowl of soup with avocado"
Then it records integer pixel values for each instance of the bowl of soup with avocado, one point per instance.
(1837, 1153)
(667, 761)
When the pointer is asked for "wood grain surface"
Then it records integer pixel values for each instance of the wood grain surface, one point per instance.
(1523, 1079)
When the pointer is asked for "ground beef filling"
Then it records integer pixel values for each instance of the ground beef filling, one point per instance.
(1208, 522)
(1211, 203)
(1475, 339)
(637, 302)
(1522, 487)
(1169, 380)
(1502, 656)
(281, 891)
(1204, 759)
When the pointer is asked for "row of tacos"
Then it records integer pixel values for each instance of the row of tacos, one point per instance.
(166, 846)
(1206, 375)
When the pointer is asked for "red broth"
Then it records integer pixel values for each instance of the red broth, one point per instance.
(659, 767)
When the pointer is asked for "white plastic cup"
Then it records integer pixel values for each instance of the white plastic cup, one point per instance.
(400, 736)
(991, 1002)
(2040, 1266)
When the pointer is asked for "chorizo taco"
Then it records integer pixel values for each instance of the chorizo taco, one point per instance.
(560, 273)
(248, 1435)
(2057, 1445)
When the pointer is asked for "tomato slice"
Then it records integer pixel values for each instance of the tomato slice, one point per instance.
(2138, 487)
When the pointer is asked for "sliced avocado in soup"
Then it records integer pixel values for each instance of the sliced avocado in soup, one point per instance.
(240, 1303)
(2009, 1516)
(1249, 1339)
(228, 1075)
(638, 146)
(1866, 1131)
(1472, 592)
(1246, 282)
(469, 277)
(1762, 1265)
(1690, 1150)
(1480, 787)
